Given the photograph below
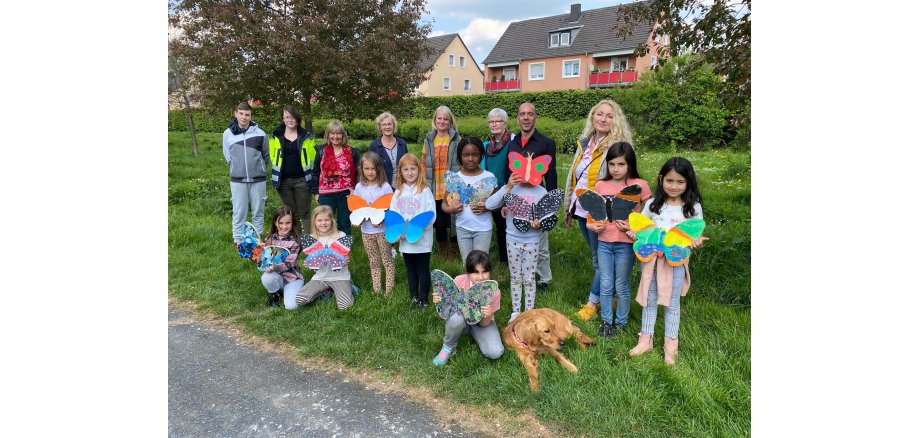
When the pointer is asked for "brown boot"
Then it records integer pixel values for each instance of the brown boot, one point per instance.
(643, 346)
(670, 351)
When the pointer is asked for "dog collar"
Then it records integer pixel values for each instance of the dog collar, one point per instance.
(516, 338)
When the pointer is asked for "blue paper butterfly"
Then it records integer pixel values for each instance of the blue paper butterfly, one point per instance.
(250, 241)
(466, 193)
(271, 256)
(397, 225)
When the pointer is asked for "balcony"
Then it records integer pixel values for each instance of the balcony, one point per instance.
(611, 79)
(500, 86)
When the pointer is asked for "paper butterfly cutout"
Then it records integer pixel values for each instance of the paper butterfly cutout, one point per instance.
(609, 208)
(530, 169)
(271, 256)
(673, 244)
(334, 255)
(397, 225)
(524, 212)
(467, 303)
(362, 210)
(250, 245)
(467, 194)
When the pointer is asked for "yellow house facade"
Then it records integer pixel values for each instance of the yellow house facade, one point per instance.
(452, 69)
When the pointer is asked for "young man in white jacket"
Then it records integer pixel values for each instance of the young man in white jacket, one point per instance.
(245, 148)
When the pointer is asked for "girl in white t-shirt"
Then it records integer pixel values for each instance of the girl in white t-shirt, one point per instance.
(677, 199)
(466, 197)
(372, 184)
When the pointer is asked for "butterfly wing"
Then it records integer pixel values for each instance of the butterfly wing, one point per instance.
(416, 226)
(624, 202)
(477, 296)
(520, 210)
(249, 242)
(271, 256)
(676, 242)
(593, 203)
(482, 190)
(517, 164)
(538, 167)
(361, 210)
(445, 287)
(648, 236)
(546, 208)
(454, 185)
(395, 224)
(383, 202)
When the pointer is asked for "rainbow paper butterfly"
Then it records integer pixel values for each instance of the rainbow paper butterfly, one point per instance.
(524, 212)
(272, 255)
(466, 193)
(673, 244)
(609, 208)
(413, 228)
(467, 303)
(362, 210)
(334, 255)
(248, 246)
(263, 256)
(530, 169)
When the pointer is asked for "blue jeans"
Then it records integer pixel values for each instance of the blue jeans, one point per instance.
(616, 261)
(591, 238)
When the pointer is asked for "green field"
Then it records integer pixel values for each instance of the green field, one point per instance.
(708, 392)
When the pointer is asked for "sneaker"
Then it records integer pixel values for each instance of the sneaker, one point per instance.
(542, 286)
(442, 356)
(393, 253)
(513, 315)
(274, 299)
(605, 330)
(421, 306)
(587, 312)
(354, 290)
(617, 328)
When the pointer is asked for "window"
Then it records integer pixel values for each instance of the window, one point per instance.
(554, 40)
(536, 71)
(447, 84)
(466, 85)
(450, 60)
(654, 61)
(618, 64)
(564, 38)
(510, 74)
(463, 61)
(571, 68)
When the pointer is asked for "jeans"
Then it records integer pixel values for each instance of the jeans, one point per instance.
(488, 338)
(339, 204)
(615, 260)
(243, 197)
(470, 240)
(274, 282)
(591, 238)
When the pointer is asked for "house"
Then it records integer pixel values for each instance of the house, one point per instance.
(452, 69)
(562, 51)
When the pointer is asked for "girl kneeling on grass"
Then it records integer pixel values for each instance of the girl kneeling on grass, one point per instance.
(677, 199)
(324, 229)
(485, 332)
(284, 277)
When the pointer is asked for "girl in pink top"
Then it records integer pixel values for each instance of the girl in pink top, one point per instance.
(615, 256)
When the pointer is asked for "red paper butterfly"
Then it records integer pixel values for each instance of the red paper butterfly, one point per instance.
(530, 169)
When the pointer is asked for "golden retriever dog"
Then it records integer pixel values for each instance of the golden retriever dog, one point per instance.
(539, 331)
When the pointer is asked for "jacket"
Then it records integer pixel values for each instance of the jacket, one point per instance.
(452, 164)
(246, 151)
(596, 170)
(401, 149)
(538, 144)
(498, 164)
(305, 143)
(313, 183)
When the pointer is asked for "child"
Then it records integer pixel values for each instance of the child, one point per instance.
(412, 197)
(485, 333)
(615, 256)
(372, 185)
(523, 248)
(325, 230)
(285, 276)
(677, 199)
(474, 229)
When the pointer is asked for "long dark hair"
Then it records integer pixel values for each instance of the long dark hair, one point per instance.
(281, 212)
(690, 196)
(622, 149)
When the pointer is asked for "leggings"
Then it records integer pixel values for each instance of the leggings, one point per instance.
(671, 312)
(522, 262)
(419, 275)
(379, 252)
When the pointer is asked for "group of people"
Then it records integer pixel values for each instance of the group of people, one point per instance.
(604, 161)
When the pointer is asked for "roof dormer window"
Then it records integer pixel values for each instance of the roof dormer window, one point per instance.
(560, 39)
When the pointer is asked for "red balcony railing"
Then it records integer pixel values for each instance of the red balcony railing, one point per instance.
(509, 85)
(611, 78)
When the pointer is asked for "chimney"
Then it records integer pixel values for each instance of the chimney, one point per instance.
(575, 13)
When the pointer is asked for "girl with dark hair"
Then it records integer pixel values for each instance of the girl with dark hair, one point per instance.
(292, 151)
(283, 278)
(474, 227)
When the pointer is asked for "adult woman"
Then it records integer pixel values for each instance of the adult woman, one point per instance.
(335, 173)
(291, 149)
(440, 155)
(604, 126)
(390, 147)
(496, 161)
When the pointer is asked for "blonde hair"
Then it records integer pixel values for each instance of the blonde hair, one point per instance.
(383, 116)
(323, 209)
(421, 182)
(619, 131)
(377, 162)
(445, 111)
(335, 126)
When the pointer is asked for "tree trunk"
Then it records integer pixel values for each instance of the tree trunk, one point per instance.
(191, 123)
(308, 114)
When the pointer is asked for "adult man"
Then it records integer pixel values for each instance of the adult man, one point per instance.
(245, 148)
(531, 141)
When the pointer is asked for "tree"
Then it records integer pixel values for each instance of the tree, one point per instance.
(350, 54)
(719, 30)
(180, 87)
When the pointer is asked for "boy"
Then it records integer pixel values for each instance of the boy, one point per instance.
(245, 148)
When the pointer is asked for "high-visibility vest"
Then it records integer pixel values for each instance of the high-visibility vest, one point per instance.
(276, 155)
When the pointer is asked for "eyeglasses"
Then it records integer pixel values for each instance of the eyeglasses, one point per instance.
(492, 122)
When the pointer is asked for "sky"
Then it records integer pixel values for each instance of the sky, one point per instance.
(481, 23)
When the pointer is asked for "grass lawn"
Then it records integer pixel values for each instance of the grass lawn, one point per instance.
(708, 392)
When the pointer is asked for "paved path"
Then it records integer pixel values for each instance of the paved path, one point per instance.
(219, 387)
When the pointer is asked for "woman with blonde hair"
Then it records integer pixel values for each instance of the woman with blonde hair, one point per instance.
(439, 156)
(605, 125)
(335, 173)
(390, 147)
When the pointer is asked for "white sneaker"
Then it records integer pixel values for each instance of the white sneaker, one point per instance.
(393, 252)
(513, 315)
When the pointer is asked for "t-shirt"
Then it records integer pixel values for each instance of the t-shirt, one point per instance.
(608, 188)
(670, 214)
(370, 194)
(441, 164)
(466, 218)
(531, 194)
(464, 283)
